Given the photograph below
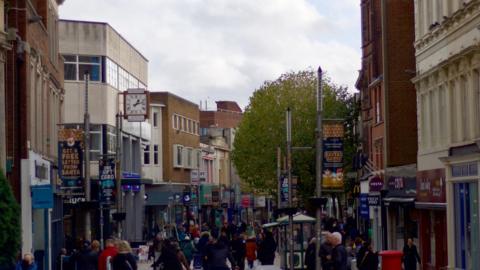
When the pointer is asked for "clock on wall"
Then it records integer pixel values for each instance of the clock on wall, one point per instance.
(136, 105)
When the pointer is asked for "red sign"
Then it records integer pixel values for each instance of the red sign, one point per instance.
(431, 186)
(376, 184)
(245, 201)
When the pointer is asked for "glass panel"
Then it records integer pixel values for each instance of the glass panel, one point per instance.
(70, 72)
(112, 73)
(93, 70)
(474, 227)
(88, 59)
(146, 155)
(459, 226)
(70, 58)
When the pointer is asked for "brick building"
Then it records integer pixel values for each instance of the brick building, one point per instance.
(388, 111)
(33, 103)
(180, 141)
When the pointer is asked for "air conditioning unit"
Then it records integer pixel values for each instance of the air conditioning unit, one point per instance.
(297, 260)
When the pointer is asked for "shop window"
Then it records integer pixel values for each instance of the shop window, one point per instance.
(155, 154)
(466, 225)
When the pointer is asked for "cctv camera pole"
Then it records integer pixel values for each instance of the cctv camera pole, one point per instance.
(86, 119)
(290, 189)
(118, 170)
(318, 163)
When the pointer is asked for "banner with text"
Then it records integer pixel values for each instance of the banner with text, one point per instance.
(332, 161)
(106, 172)
(70, 158)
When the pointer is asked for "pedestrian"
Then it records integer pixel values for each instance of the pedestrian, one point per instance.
(27, 263)
(109, 251)
(339, 254)
(310, 258)
(124, 260)
(410, 255)
(181, 256)
(188, 249)
(239, 250)
(369, 260)
(217, 255)
(96, 246)
(168, 259)
(155, 249)
(251, 251)
(86, 258)
(267, 248)
(202, 247)
(325, 252)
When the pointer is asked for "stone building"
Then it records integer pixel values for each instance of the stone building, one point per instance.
(448, 98)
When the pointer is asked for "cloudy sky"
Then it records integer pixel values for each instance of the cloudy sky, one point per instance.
(225, 49)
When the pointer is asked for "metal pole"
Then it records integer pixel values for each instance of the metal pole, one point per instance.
(318, 163)
(279, 172)
(290, 190)
(86, 123)
(118, 171)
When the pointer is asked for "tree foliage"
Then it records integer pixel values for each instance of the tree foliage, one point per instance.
(262, 129)
(9, 224)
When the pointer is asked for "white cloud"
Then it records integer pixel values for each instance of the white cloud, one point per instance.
(225, 49)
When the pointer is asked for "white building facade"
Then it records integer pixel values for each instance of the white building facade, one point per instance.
(448, 115)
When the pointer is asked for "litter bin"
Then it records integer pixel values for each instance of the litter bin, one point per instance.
(391, 259)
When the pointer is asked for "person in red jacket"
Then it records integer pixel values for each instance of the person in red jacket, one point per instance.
(251, 249)
(109, 251)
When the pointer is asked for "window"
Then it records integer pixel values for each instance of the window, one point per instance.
(155, 119)
(76, 66)
(95, 141)
(189, 157)
(155, 154)
(378, 108)
(177, 156)
(112, 73)
(198, 153)
(146, 155)
(132, 81)
(111, 140)
(203, 131)
(184, 124)
(122, 79)
(175, 123)
(190, 126)
(70, 67)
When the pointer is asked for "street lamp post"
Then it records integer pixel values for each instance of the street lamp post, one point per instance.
(86, 123)
(318, 163)
(290, 189)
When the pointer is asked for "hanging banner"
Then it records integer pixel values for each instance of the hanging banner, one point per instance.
(283, 190)
(332, 172)
(70, 158)
(106, 172)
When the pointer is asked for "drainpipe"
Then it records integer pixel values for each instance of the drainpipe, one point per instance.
(385, 110)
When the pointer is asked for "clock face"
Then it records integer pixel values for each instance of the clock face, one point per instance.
(136, 104)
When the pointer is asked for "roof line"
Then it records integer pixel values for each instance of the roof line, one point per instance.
(108, 25)
(174, 95)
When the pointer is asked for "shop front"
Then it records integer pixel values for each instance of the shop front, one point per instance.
(401, 213)
(431, 206)
(463, 223)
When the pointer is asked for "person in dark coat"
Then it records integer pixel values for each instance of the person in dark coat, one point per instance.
(168, 258)
(124, 260)
(369, 258)
(325, 252)
(410, 255)
(239, 250)
(267, 248)
(86, 258)
(339, 254)
(217, 254)
(310, 258)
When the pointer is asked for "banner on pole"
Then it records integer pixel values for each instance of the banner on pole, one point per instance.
(70, 158)
(332, 161)
(106, 172)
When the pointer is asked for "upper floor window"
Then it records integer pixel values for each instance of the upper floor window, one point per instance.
(155, 119)
(77, 65)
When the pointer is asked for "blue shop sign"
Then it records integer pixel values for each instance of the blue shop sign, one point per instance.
(42, 197)
(363, 208)
(130, 175)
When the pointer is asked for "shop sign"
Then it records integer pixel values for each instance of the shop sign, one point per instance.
(194, 177)
(363, 208)
(245, 200)
(73, 196)
(402, 186)
(187, 198)
(260, 201)
(284, 189)
(70, 161)
(376, 184)
(373, 200)
(431, 186)
(42, 197)
(106, 172)
(332, 172)
(40, 170)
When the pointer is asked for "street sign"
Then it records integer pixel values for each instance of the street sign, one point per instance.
(363, 208)
(373, 200)
(194, 177)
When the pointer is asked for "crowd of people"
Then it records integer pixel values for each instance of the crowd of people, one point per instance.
(212, 248)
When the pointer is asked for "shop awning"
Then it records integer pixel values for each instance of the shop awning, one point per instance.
(430, 205)
(297, 218)
(271, 224)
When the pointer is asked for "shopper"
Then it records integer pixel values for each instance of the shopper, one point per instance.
(339, 254)
(369, 260)
(267, 248)
(168, 258)
(109, 251)
(86, 258)
(326, 252)
(310, 258)
(217, 254)
(27, 263)
(124, 260)
(410, 255)
(251, 251)
(239, 250)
